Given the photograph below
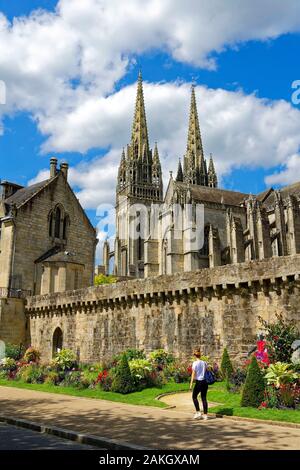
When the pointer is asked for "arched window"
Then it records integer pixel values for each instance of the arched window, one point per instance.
(65, 227)
(51, 224)
(57, 223)
(57, 342)
(204, 251)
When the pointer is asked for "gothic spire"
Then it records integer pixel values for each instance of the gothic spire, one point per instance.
(179, 176)
(195, 171)
(194, 142)
(156, 155)
(139, 137)
(212, 175)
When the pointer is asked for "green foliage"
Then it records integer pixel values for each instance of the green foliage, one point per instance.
(279, 338)
(253, 390)
(74, 378)
(3, 374)
(101, 279)
(226, 365)
(271, 397)
(179, 371)
(141, 367)
(90, 374)
(8, 364)
(280, 373)
(161, 358)
(131, 354)
(31, 355)
(32, 374)
(123, 381)
(235, 381)
(64, 360)
(52, 378)
(13, 351)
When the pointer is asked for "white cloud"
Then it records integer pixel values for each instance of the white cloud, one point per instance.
(240, 130)
(56, 65)
(287, 175)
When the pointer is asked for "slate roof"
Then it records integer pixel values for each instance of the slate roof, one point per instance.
(23, 195)
(219, 196)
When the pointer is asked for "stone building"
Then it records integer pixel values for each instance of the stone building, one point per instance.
(47, 244)
(173, 295)
(235, 227)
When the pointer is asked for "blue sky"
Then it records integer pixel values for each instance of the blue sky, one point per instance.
(252, 72)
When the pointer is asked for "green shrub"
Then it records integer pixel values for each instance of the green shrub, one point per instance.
(74, 378)
(281, 374)
(8, 364)
(13, 351)
(161, 358)
(3, 374)
(253, 390)
(52, 378)
(123, 381)
(180, 372)
(31, 355)
(226, 366)
(64, 360)
(101, 279)
(235, 381)
(141, 370)
(279, 338)
(32, 374)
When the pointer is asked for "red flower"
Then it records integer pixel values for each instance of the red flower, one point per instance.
(263, 405)
(102, 376)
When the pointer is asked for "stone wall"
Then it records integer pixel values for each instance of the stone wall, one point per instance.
(12, 321)
(210, 308)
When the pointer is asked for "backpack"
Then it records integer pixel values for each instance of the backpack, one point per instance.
(209, 377)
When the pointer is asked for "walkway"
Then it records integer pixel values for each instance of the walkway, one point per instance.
(146, 426)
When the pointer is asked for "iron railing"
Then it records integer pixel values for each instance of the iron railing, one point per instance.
(14, 293)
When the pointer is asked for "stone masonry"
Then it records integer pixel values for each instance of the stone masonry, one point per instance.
(209, 308)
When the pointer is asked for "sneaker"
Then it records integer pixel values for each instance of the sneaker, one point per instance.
(205, 417)
(197, 415)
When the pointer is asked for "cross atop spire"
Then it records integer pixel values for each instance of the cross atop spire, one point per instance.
(139, 137)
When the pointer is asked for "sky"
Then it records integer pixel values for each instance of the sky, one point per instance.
(70, 70)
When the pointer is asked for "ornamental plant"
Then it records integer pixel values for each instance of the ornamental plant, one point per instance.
(280, 373)
(279, 338)
(140, 369)
(161, 358)
(31, 355)
(253, 390)
(65, 360)
(13, 351)
(104, 380)
(8, 364)
(123, 381)
(226, 365)
(32, 374)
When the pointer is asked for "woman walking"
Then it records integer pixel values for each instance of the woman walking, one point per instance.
(201, 386)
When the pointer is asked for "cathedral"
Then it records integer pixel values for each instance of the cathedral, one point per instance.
(235, 227)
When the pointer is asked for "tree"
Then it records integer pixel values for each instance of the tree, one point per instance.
(253, 391)
(101, 279)
(123, 381)
(226, 366)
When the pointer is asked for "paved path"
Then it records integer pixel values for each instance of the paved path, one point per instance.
(14, 438)
(146, 426)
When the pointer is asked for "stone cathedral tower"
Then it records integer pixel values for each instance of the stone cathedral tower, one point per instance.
(139, 182)
(194, 163)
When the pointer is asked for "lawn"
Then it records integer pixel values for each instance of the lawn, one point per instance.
(231, 407)
(147, 397)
